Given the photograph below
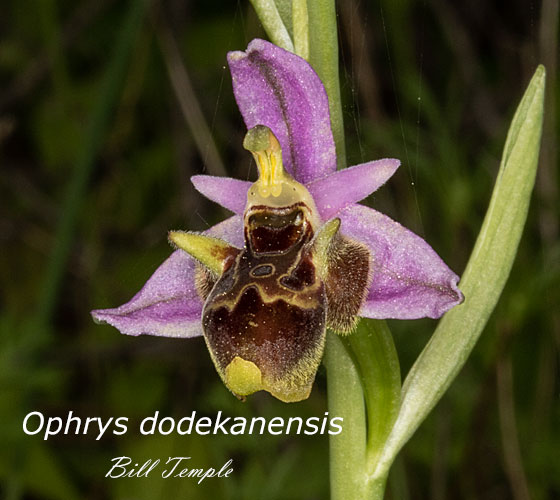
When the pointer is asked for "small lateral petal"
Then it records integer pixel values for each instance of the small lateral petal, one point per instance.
(350, 185)
(168, 305)
(279, 89)
(409, 279)
(211, 252)
(227, 192)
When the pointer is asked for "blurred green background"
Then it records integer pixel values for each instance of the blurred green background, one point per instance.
(96, 150)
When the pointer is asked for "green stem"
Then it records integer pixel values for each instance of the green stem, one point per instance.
(363, 370)
(366, 364)
(300, 23)
(345, 393)
(323, 56)
(346, 401)
(363, 379)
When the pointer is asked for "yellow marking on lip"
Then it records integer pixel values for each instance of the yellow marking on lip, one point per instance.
(243, 377)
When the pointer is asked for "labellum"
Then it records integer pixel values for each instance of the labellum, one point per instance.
(268, 305)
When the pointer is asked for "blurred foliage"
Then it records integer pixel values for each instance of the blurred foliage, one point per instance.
(434, 84)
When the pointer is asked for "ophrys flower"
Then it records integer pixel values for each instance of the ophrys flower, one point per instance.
(299, 255)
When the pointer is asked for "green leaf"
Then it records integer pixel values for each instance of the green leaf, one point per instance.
(300, 22)
(378, 365)
(273, 24)
(362, 368)
(484, 278)
(285, 9)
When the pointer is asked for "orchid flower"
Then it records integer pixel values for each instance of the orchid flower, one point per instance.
(299, 256)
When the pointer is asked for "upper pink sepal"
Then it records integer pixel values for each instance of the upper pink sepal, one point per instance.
(276, 88)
